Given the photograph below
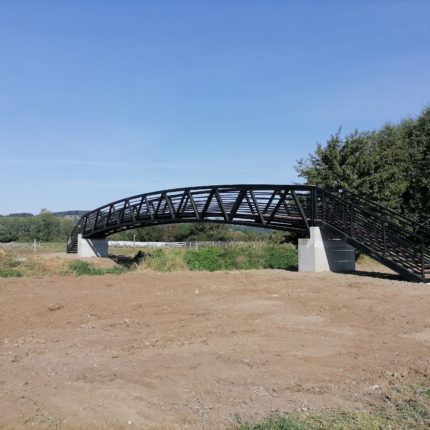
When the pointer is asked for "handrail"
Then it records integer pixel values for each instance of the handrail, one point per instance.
(407, 220)
(377, 205)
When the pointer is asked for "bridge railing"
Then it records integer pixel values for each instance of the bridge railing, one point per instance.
(400, 243)
(270, 206)
(379, 230)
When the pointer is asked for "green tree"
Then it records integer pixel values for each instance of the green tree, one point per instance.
(47, 226)
(416, 135)
(6, 233)
(390, 166)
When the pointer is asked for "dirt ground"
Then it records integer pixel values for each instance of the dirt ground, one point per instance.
(201, 350)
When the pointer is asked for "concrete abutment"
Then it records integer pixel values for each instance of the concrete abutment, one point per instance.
(92, 247)
(324, 252)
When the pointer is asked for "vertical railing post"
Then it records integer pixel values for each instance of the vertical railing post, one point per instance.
(323, 205)
(85, 225)
(384, 237)
(95, 221)
(422, 258)
(313, 205)
(351, 217)
(343, 195)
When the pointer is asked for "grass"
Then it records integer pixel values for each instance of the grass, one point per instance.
(10, 273)
(398, 408)
(80, 267)
(276, 423)
(257, 255)
(164, 260)
(235, 257)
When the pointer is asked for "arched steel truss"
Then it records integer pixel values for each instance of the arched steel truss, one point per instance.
(397, 242)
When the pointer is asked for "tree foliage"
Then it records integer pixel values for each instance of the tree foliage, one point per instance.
(47, 227)
(44, 227)
(190, 232)
(390, 166)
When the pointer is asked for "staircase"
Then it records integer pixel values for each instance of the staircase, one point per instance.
(72, 240)
(397, 242)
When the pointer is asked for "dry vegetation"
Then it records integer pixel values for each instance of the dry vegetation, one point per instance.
(17, 262)
(24, 262)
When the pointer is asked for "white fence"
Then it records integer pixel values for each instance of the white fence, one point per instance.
(56, 247)
(205, 244)
(36, 246)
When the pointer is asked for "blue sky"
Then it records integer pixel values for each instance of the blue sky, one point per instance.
(104, 99)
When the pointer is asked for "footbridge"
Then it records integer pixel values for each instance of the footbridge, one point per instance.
(336, 223)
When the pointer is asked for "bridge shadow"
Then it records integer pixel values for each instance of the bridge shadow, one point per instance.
(128, 261)
(374, 274)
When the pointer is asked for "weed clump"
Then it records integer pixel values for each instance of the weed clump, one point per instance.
(10, 273)
(9, 266)
(164, 260)
(276, 423)
(80, 268)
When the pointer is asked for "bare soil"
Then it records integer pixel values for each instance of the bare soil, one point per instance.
(199, 350)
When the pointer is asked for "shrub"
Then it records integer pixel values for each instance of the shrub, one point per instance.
(249, 256)
(209, 259)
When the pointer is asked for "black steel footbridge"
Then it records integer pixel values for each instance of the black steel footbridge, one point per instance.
(397, 242)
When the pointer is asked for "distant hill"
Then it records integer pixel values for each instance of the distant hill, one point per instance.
(63, 214)
(70, 213)
(20, 214)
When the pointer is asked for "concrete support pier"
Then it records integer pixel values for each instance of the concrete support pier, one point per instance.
(324, 252)
(92, 247)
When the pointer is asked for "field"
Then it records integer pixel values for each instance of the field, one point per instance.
(214, 350)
